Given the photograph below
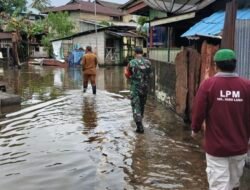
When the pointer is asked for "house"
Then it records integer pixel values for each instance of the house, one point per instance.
(6, 46)
(83, 14)
(36, 50)
(210, 29)
(32, 14)
(114, 44)
(168, 20)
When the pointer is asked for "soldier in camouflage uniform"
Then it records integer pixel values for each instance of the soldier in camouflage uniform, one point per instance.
(138, 70)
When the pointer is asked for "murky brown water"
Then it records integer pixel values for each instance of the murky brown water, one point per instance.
(63, 139)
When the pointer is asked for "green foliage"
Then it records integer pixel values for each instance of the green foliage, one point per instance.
(142, 20)
(47, 45)
(34, 28)
(59, 25)
(106, 23)
(21, 25)
(12, 6)
(15, 24)
(40, 4)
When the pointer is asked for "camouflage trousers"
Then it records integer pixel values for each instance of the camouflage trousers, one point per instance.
(138, 103)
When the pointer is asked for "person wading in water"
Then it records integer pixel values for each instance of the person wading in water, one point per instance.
(138, 71)
(89, 64)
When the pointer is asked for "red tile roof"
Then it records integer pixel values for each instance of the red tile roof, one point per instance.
(89, 7)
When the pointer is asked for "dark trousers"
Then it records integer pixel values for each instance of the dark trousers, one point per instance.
(138, 103)
(87, 78)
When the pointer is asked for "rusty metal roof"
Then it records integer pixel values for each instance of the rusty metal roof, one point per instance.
(85, 6)
(5, 35)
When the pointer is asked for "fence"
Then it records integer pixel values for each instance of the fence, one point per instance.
(242, 47)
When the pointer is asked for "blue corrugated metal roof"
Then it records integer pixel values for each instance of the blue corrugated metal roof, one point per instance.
(212, 26)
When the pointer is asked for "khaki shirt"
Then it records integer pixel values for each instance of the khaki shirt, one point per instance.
(89, 64)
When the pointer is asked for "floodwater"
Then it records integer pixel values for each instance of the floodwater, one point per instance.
(62, 139)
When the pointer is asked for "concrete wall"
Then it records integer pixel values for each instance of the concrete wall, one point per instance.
(90, 40)
(163, 85)
(161, 54)
(128, 18)
(91, 16)
(86, 27)
(76, 17)
(38, 52)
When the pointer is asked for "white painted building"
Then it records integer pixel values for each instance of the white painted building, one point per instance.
(113, 45)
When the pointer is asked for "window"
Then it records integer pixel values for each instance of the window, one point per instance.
(158, 36)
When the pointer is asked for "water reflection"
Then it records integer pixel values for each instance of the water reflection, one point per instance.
(75, 141)
(58, 78)
(112, 79)
(162, 158)
(1, 72)
(75, 76)
(89, 113)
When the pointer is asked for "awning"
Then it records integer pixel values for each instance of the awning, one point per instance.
(124, 34)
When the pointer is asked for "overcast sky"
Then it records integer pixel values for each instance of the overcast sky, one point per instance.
(63, 2)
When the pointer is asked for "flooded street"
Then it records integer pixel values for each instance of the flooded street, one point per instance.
(62, 139)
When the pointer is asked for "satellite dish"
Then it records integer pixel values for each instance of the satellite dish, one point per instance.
(178, 6)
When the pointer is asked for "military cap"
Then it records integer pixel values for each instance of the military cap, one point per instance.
(138, 50)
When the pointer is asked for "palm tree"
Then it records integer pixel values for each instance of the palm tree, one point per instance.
(142, 20)
(40, 4)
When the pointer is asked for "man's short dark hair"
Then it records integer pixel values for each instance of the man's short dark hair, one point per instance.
(138, 50)
(89, 48)
(227, 66)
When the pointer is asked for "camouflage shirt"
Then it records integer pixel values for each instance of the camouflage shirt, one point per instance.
(141, 71)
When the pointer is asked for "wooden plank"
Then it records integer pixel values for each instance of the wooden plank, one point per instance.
(181, 88)
(172, 19)
(207, 63)
(7, 99)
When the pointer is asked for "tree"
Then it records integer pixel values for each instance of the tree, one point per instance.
(12, 6)
(40, 4)
(58, 25)
(106, 23)
(142, 20)
(32, 29)
(27, 28)
(15, 25)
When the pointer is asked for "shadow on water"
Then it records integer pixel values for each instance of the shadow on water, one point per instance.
(64, 139)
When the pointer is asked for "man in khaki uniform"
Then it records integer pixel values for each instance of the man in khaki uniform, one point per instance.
(89, 63)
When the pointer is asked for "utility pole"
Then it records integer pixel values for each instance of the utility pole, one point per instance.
(96, 42)
(228, 36)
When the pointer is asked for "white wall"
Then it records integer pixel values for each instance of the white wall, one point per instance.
(39, 52)
(90, 40)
